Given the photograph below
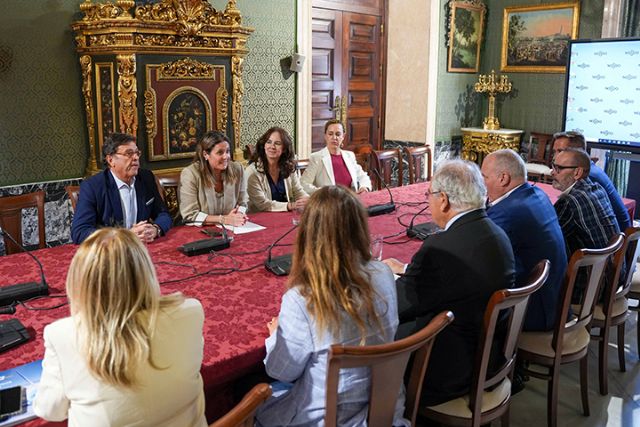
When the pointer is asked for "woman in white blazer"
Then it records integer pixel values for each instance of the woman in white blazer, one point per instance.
(332, 165)
(213, 186)
(127, 355)
(272, 183)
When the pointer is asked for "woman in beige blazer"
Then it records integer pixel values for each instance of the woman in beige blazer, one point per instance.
(272, 183)
(212, 188)
(332, 165)
(127, 355)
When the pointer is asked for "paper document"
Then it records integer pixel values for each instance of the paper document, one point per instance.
(248, 227)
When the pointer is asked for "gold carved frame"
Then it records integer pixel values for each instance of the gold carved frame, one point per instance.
(101, 128)
(552, 42)
(121, 29)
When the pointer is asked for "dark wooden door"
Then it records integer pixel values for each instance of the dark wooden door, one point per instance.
(347, 78)
(326, 66)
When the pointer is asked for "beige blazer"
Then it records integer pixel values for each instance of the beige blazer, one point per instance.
(169, 397)
(320, 171)
(197, 200)
(260, 198)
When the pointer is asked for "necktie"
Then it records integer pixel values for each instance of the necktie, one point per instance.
(131, 214)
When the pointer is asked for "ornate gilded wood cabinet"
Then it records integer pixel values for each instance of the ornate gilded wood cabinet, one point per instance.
(166, 71)
(478, 142)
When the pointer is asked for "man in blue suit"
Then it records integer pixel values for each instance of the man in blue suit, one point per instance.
(122, 195)
(528, 218)
(572, 139)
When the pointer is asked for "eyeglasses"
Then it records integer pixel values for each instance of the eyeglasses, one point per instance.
(559, 168)
(432, 192)
(276, 143)
(130, 153)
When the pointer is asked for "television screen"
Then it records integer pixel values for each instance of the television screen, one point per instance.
(602, 98)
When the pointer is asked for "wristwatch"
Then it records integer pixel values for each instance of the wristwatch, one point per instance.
(158, 230)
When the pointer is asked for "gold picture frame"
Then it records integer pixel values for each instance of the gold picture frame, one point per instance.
(535, 39)
(465, 35)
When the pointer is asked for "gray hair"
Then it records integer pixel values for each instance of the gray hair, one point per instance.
(463, 183)
(507, 160)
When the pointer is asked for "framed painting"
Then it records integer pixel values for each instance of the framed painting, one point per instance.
(466, 24)
(536, 38)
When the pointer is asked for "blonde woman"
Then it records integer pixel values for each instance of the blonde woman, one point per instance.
(337, 295)
(127, 355)
(212, 188)
(334, 166)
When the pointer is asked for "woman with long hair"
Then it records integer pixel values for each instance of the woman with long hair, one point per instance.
(334, 166)
(273, 184)
(212, 188)
(127, 355)
(336, 295)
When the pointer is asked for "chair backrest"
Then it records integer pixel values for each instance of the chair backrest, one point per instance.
(384, 163)
(594, 262)
(540, 149)
(419, 159)
(248, 151)
(302, 165)
(73, 191)
(366, 159)
(11, 218)
(168, 183)
(515, 301)
(387, 363)
(616, 286)
(242, 414)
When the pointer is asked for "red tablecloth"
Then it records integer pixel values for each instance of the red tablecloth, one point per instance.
(237, 305)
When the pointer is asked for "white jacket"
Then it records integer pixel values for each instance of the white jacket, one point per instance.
(320, 171)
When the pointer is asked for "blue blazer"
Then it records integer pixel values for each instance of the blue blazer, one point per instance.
(622, 215)
(99, 204)
(530, 221)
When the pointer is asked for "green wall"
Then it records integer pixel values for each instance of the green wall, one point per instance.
(42, 128)
(536, 100)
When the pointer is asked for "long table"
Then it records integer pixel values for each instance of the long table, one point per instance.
(238, 295)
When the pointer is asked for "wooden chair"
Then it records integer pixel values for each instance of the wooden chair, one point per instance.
(384, 164)
(490, 393)
(634, 293)
(569, 340)
(248, 151)
(614, 309)
(365, 157)
(73, 191)
(539, 157)
(302, 165)
(419, 159)
(242, 414)
(11, 218)
(168, 183)
(387, 363)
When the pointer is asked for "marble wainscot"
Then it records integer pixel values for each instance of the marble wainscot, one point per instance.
(57, 213)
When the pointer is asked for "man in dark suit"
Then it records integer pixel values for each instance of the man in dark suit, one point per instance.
(122, 195)
(458, 270)
(526, 214)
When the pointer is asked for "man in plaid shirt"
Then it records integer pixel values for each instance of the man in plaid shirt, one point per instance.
(584, 211)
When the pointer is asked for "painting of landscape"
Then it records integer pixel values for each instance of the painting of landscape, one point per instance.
(536, 38)
(467, 21)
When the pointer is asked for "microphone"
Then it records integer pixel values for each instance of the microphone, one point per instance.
(205, 246)
(22, 291)
(280, 265)
(9, 309)
(375, 210)
(422, 231)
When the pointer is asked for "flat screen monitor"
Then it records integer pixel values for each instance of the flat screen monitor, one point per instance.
(602, 99)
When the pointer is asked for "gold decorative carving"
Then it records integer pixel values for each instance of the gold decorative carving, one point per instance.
(100, 101)
(85, 65)
(238, 92)
(150, 113)
(222, 99)
(100, 11)
(189, 16)
(127, 90)
(476, 142)
(186, 68)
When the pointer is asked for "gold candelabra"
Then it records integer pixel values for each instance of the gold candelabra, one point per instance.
(492, 85)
